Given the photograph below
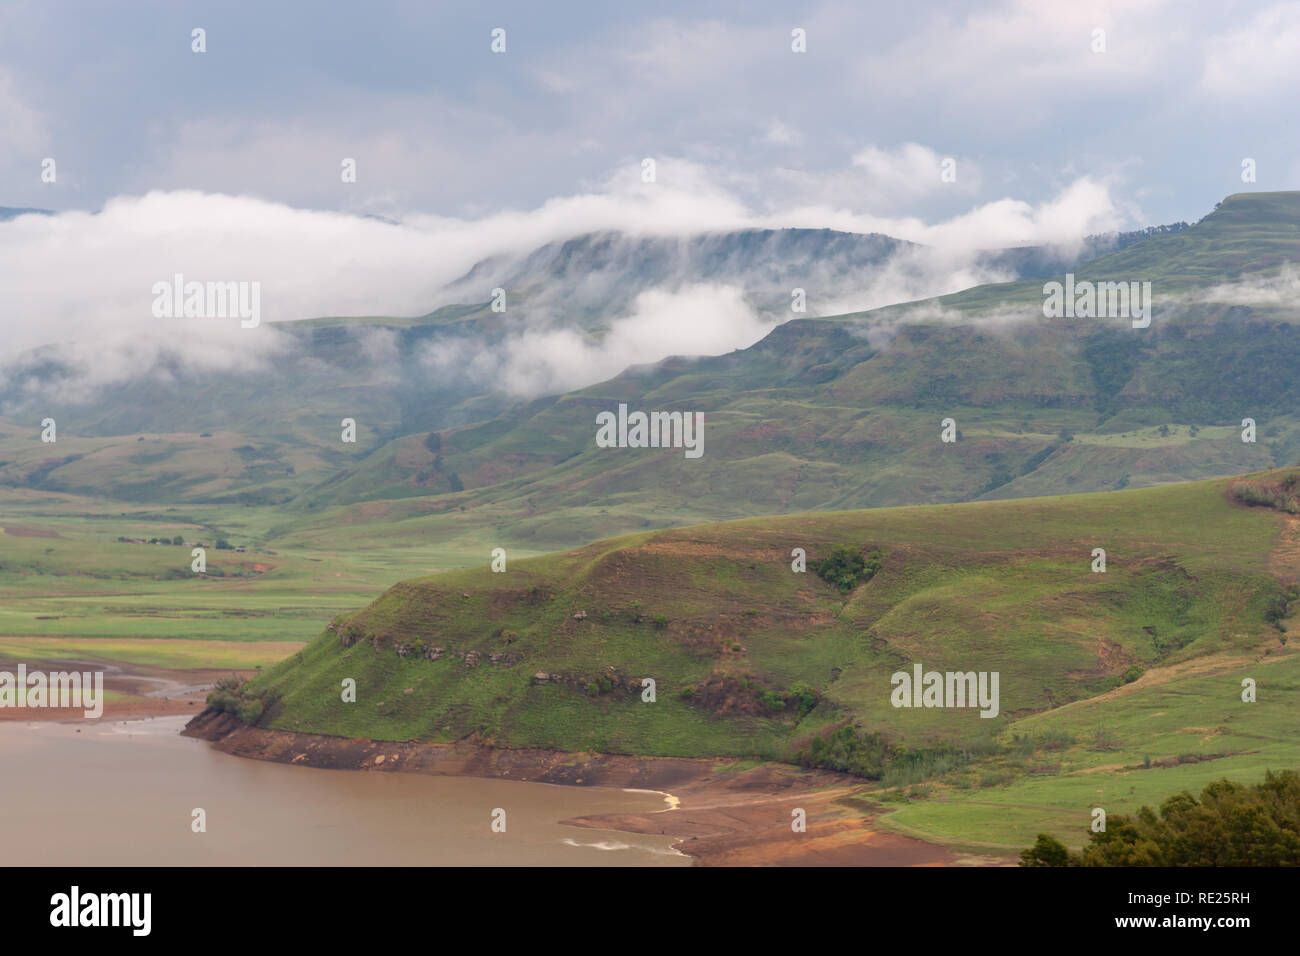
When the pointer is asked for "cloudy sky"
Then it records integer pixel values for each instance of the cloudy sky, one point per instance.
(439, 124)
(1059, 118)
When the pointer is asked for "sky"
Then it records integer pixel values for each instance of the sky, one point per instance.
(439, 124)
(957, 125)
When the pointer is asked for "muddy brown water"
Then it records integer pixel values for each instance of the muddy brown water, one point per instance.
(123, 793)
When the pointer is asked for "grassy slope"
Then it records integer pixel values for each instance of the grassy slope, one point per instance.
(1247, 234)
(844, 412)
(812, 418)
(68, 587)
(1000, 586)
(829, 413)
(1191, 715)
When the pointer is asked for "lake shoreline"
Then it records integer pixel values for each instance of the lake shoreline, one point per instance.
(135, 691)
(721, 812)
(146, 781)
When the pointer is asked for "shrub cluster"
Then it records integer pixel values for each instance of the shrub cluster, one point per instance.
(739, 693)
(1230, 825)
(846, 567)
(848, 751)
(1283, 494)
(232, 696)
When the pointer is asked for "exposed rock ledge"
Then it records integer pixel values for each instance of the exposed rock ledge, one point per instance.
(231, 736)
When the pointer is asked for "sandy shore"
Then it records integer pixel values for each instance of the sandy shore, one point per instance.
(724, 815)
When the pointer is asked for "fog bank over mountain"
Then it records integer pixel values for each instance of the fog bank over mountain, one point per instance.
(579, 271)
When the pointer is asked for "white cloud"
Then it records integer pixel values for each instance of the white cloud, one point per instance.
(912, 171)
(881, 328)
(85, 281)
(1083, 207)
(919, 272)
(1259, 60)
(1022, 62)
(1279, 289)
(701, 319)
(684, 54)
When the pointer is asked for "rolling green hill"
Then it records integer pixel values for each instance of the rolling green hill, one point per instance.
(846, 412)
(1002, 586)
(824, 413)
(1136, 670)
(1127, 681)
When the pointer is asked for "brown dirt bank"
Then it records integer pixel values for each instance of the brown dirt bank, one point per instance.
(142, 692)
(727, 814)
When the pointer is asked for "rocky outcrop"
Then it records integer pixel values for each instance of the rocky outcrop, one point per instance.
(428, 652)
(591, 683)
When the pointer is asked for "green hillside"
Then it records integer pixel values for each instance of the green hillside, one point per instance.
(846, 412)
(1247, 235)
(751, 658)
(822, 414)
(1123, 686)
